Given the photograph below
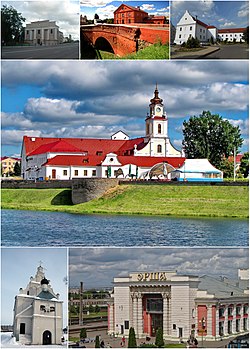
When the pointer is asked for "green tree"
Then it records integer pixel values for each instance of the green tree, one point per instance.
(83, 333)
(97, 342)
(97, 308)
(159, 341)
(91, 308)
(244, 165)
(17, 169)
(192, 43)
(209, 136)
(246, 35)
(227, 167)
(12, 25)
(131, 338)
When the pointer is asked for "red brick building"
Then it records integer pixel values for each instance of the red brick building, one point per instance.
(126, 14)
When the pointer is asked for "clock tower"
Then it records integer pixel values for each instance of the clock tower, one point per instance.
(156, 121)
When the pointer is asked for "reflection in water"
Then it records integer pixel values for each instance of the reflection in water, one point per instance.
(32, 228)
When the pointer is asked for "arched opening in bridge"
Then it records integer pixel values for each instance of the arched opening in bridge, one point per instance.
(103, 45)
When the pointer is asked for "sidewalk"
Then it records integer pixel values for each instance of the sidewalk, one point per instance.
(195, 54)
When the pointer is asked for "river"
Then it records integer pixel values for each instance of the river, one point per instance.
(36, 228)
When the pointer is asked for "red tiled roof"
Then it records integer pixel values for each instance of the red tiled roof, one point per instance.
(59, 146)
(94, 160)
(200, 22)
(39, 145)
(231, 30)
(75, 160)
(10, 157)
(210, 26)
(148, 161)
(237, 158)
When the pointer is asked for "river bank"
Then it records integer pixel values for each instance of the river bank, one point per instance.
(193, 201)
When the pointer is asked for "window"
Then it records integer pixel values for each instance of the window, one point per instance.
(85, 172)
(180, 29)
(174, 326)
(76, 172)
(238, 310)
(65, 172)
(27, 32)
(38, 31)
(93, 173)
(51, 31)
(230, 326)
(159, 148)
(159, 128)
(155, 305)
(179, 36)
(126, 324)
(230, 311)
(245, 310)
(191, 28)
(221, 312)
(22, 328)
(200, 30)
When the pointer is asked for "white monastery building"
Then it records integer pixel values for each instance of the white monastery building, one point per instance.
(190, 26)
(43, 33)
(182, 305)
(150, 156)
(38, 313)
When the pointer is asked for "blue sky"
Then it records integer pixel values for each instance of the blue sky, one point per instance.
(105, 8)
(98, 98)
(19, 264)
(98, 267)
(221, 14)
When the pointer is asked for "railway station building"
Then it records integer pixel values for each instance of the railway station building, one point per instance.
(182, 305)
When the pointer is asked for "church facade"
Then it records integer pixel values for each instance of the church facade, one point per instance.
(38, 313)
(67, 158)
(182, 305)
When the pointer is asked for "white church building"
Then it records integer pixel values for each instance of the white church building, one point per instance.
(150, 156)
(38, 313)
(190, 26)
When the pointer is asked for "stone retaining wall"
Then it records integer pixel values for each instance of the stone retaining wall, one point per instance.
(84, 190)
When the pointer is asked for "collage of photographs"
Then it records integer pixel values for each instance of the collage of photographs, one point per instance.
(124, 174)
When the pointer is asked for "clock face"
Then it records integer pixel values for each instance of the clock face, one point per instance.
(158, 109)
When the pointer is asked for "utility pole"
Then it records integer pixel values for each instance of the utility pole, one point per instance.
(80, 306)
(234, 163)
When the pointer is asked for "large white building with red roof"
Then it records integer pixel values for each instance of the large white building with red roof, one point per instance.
(190, 26)
(67, 158)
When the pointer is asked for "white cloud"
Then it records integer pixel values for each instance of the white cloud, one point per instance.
(229, 24)
(147, 7)
(106, 12)
(94, 3)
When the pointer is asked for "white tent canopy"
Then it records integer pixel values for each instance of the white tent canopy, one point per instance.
(198, 166)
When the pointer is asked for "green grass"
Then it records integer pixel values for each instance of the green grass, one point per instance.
(199, 201)
(156, 51)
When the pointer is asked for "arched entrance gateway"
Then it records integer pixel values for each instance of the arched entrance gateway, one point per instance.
(47, 338)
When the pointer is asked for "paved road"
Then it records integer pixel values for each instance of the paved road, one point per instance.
(63, 51)
(236, 51)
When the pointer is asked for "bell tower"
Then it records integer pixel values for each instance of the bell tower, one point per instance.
(156, 121)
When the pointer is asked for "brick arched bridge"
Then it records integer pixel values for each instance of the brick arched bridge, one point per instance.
(123, 39)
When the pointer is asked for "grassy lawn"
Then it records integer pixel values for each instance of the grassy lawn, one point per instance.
(203, 201)
(156, 51)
